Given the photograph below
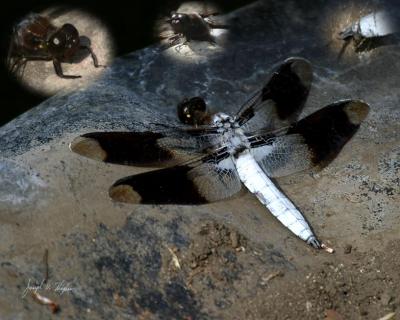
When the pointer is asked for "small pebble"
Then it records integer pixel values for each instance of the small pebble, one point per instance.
(348, 248)
(234, 239)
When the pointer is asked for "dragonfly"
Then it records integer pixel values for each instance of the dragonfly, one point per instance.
(213, 157)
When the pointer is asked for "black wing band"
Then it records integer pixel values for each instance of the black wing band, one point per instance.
(313, 141)
(282, 99)
(210, 179)
(127, 148)
(328, 130)
(148, 149)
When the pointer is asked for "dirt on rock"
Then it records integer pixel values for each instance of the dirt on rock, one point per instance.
(362, 285)
(220, 265)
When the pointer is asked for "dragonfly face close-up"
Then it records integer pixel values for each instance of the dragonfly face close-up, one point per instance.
(210, 158)
(35, 38)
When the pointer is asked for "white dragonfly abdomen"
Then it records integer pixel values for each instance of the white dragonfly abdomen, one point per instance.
(377, 24)
(277, 203)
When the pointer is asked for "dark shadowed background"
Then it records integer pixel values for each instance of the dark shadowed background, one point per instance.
(130, 23)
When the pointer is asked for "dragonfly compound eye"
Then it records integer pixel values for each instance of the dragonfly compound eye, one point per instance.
(191, 110)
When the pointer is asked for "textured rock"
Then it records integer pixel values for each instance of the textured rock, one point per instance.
(121, 259)
(19, 186)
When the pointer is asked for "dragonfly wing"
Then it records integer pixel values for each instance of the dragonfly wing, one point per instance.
(207, 180)
(148, 149)
(281, 100)
(313, 141)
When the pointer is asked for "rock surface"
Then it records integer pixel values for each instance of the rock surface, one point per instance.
(226, 259)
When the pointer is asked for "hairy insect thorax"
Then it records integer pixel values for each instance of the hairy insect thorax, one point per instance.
(192, 26)
(38, 37)
(232, 134)
(30, 35)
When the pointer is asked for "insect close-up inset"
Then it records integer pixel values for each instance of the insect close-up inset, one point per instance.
(191, 26)
(370, 31)
(37, 38)
(210, 160)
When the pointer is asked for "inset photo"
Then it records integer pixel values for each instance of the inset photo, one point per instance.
(59, 49)
(194, 29)
(355, 31)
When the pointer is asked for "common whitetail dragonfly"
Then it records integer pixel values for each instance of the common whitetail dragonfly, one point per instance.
(210, 160)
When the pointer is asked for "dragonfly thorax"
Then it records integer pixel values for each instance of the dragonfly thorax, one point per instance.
(231, 133)
(223, 121)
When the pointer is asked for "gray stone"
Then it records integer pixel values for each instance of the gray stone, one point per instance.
(19, 187)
